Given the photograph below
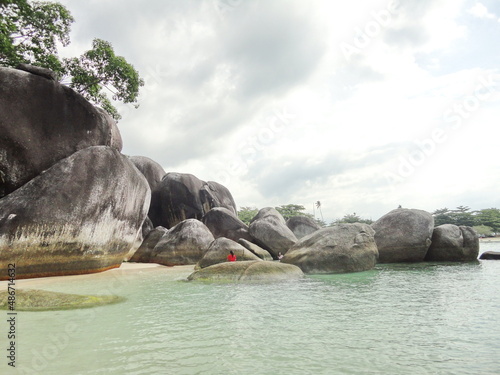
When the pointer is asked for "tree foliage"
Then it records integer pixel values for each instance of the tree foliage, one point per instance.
(291, 210)
(462, 215)
(246, 214)
(351, 219)
(489, 217)
(30, 32)
(100, 68)
(483, 230)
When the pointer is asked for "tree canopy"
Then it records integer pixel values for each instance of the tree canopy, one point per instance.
(291, 210)
(246, 214)
(462, 215)
(30, 32)
(352, 218)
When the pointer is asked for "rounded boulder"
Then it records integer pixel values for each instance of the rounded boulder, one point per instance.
(185, 243)
(301, 226)
(451, 243)
(248, 271)
(269, 230)
(43, 122)
(224, 223)
(219, 250)
(403, 235)
(82, 215)
(338, 249)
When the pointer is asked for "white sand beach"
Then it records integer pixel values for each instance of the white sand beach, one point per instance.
(126, 268)
(489, 239)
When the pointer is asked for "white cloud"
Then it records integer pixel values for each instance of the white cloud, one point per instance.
(480, 11)
(259, 96)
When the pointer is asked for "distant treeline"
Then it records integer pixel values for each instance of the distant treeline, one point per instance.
(485, 221)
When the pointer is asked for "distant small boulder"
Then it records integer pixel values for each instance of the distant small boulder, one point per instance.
(490, 255)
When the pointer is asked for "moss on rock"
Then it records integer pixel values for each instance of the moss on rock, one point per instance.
(256, 270)
(43, 300)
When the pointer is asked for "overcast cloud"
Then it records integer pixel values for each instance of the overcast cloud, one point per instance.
(362, 105)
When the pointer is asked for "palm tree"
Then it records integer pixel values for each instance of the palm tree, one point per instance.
(318, 206)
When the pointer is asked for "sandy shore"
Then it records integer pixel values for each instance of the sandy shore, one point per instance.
(124, 269)
(138, 269)
(490, 239)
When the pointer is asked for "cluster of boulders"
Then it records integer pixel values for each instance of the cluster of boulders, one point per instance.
(402, 235)
(71, 203)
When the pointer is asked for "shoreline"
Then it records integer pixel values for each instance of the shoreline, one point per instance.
(489, 239)
(125, 268)
(131, 268)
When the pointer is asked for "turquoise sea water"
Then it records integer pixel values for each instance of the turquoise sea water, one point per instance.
(396, 319)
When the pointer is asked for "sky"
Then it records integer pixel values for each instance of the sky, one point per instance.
(362, 105)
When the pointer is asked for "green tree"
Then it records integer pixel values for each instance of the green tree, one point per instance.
(442, 216)
(290, 210)
(460, 216)
(100, 69)
(246, 214)
(489, 217)
(483, 230)
(320, 222)
(29, 33)
(350, 219)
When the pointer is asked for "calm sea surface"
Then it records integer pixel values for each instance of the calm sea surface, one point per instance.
(396, 319)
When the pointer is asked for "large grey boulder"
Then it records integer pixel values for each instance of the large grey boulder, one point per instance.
(302, 226)
(224, 223)
(219, 250)
(185, 243)
(82, 215)
(338, 249)
(213, 194)
(181, 196)
(147, 226)
(43, 122)
(176, 198)
(256, 249)
(453, 244)
(269, 230)
(403, 235)
(248, 271)
(144, 252)
(153, 171)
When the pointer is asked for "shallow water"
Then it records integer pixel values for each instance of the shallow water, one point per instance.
(396, 319)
